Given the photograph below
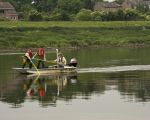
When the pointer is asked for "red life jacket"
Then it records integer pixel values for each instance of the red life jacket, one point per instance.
(30, 54)
(41, 52)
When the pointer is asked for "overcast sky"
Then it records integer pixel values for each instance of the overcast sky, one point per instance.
(109, 0)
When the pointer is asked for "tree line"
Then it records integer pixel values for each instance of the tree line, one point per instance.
(71, 10)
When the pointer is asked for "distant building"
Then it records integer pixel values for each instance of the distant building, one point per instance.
(146, 3)
(8, 11)
(107, 6)
(127, 4)
(134, 3)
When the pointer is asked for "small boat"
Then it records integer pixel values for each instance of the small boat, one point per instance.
(49, 70)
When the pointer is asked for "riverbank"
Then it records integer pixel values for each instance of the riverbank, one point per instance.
(22, 35)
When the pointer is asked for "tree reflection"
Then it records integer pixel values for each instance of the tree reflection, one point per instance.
(48, 89)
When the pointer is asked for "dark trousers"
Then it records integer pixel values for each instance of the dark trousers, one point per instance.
(40, 62)
(26, 60)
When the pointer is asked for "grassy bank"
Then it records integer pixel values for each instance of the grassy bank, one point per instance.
(53, 34)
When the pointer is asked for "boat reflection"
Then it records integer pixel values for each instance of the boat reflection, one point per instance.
(47, 88)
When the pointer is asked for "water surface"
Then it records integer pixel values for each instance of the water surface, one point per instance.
(121, 95)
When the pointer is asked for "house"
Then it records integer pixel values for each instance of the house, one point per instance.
(127, 4)
(107, 6)
(146, 3)
(134, 3)
(8, 11)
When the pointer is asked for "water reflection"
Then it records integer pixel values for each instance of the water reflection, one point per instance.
(48, 89)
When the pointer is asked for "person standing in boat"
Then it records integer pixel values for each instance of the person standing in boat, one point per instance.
(27, 58)
(61, 60)
(41, 57)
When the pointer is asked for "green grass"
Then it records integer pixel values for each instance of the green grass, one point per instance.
(65, 34)
(73, 24)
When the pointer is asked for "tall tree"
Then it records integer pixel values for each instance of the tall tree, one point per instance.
(119, 1)
(45, 5)
(89, 4)
(71, 6)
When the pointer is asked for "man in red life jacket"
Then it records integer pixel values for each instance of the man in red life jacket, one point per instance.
(27, 58)
(41, 57)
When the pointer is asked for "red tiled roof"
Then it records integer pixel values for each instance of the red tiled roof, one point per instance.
(6, 5)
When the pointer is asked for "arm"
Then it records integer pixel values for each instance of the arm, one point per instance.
(27, 55)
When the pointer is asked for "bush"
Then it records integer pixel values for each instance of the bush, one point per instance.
(96, 16)
(46, 17)
(84, 15)
(35, 16)
(148, 17)
(111, 16)
(103, 15)
(59, 15)
(4, 19)
(131, 14)
(120, 14)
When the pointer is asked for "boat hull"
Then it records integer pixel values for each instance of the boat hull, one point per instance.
(50, 70)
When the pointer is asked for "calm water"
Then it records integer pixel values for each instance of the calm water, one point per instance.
(84, 96)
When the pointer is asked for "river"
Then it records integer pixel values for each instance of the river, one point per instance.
(111, 84)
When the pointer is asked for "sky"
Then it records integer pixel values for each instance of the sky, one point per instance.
(109, 0)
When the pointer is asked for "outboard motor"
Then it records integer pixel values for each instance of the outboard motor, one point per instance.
(73, 62)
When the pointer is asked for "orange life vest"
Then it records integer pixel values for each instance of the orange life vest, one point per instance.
(41, 52)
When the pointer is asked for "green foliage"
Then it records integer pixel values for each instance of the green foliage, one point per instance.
(120, 15)
(88, 4)
(148, 17)
(84, 15)
(73, 10)
(58, 15)
(71, 6)
(96, 16)
(35, 16)
(119, 1)
(143, 8)
(49, 34)
(131, 14)
(3, 19)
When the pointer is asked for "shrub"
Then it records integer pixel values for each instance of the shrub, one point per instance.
(148, 17)
(35, 16)
(4, 19)
(96, 16)
(84, 15)
(58, 15)
(120, 14)
(131, 14)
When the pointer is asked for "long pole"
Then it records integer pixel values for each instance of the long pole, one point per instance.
(34, 66)
(57, 56)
